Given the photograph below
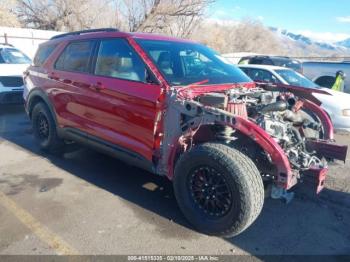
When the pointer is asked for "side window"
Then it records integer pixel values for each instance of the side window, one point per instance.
(117, 59)
(76, 57)
(244, 61)
(43, 54)
(267, 61)
(256, 61)
(326, 81)
(262, 76)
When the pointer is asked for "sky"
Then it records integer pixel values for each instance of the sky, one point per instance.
(321, 20)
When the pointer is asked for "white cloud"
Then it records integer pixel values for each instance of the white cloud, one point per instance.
(343, 19)
(324, 36)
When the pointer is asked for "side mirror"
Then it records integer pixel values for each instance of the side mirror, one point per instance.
(150, 78)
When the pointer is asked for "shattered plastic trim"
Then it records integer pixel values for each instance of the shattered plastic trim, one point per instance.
(198, 114)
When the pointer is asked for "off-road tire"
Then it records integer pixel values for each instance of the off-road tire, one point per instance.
(242, 178)
(50, 142)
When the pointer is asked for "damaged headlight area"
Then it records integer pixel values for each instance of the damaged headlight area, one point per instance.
(346, 112)
(299, 134)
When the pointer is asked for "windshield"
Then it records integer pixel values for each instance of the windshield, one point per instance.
(296, 79)
(185, 63)
(13, 56)
(293, 64)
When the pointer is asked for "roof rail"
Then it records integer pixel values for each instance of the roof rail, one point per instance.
(85, 32)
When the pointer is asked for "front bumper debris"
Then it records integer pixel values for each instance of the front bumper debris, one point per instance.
(327, 149)
(315, 178)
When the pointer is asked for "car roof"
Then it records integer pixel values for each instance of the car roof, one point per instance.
(108, 34)
(267, 56)
(267, 67)
(4, 45)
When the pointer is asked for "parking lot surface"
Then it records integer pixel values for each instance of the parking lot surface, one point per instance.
(87, 203)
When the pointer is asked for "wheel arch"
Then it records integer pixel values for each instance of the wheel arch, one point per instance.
(324, 117)
(36, 96)
(285, 177)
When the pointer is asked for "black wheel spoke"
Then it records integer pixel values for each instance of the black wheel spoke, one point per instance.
(42, 126)
(210, 191)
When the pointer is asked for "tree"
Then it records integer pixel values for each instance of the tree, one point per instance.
(7, 17)
(66, 15)
(173, 17)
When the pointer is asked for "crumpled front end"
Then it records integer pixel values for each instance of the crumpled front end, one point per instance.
(279, 132)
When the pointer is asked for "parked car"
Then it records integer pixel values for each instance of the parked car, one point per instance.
(236, 57)
(335, 103)
(12, 65)
(323, 73)
(283, 61)
(177, 109)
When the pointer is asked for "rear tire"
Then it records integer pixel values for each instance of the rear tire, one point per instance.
(219, 190)
(44, 129)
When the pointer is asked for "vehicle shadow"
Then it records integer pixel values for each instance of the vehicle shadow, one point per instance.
(307, 225)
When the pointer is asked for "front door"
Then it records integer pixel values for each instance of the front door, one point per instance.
(122, 106)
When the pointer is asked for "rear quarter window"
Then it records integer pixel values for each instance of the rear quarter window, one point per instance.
(43, 54)
(76, 57)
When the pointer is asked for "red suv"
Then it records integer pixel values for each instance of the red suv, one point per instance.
(178, 109)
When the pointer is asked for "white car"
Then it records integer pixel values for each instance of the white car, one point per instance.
(12, 65)
(337, 105)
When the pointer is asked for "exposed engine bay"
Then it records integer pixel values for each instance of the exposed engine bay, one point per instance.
(284, 136)
(280, 115)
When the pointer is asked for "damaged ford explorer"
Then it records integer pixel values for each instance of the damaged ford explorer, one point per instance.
(177, 109)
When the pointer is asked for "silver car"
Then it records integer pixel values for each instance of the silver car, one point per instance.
(336, 104)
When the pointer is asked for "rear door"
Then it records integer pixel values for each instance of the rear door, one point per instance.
(121, 107)
(70, 85)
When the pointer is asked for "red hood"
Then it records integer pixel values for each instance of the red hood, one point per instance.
(194, 90)
(197, 89)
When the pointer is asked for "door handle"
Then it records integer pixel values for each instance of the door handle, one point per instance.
(98, 86)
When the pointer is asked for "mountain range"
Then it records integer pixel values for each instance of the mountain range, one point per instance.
(301, 41)
(345, 43)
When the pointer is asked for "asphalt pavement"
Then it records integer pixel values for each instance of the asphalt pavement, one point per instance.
(87, 203)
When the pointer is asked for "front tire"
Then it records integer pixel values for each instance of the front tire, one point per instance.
(219, 190)
(44, 129)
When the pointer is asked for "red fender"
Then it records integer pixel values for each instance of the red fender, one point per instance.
(285, 176)
(324, 118)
